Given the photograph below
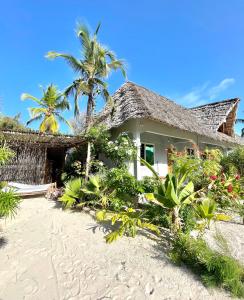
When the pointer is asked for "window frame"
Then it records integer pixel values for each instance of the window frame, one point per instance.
(148, 144)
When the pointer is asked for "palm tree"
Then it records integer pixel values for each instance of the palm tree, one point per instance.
(49, 111)
(242, 122)
(95, 65)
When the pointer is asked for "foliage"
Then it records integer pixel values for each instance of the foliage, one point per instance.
(157, 215)
(13, 124)
(148, 184)
(206, 211)
(199, 169)
(49, 109)
(73, 167)
(96, 63)
(188, 218)
(241, 121)
(96, 191)
(123, 182)
(172, 194)
(9, 202)
(226, 190)
(214, 268)
(72, 193)
(121, 150)
(233, 162)
(128, 222)
(5, 154)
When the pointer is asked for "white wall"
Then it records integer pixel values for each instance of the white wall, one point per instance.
(162, 136)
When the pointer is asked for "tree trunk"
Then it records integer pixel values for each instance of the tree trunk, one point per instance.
(176, 219)
(90, 108)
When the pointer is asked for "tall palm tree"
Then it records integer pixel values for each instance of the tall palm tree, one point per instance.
(49, 111)
(242, 122)
(96, 63)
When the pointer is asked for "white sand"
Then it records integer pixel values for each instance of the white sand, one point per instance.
(51, 254)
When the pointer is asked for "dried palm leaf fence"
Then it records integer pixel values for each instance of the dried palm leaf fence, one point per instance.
(39, 158)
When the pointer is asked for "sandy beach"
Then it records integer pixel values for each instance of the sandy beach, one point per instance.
(50, 254)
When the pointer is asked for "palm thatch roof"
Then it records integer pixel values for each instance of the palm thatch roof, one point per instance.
(132, 101)
(215, 114)
(37, 138)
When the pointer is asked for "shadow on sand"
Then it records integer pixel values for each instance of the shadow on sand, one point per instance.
(3, 242)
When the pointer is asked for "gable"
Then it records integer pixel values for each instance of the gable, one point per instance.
(218, 116)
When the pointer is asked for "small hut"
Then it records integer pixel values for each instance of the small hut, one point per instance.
(39, 158)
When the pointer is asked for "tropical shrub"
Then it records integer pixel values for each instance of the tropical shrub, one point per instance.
(215, 269)
(233, 162)
(72, 193)
(198, 169)
(9, 203)
(5, 154)
(226, 190)
(125, 223)
(9, 123)
(148, 184)
(172, 194)
(206, 211)
(123, 182)
(74, 164)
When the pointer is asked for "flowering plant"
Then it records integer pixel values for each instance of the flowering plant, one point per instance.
(225, 189)
(120, 150)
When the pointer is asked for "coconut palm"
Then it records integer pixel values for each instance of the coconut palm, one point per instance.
(242, 122)
(93, 67)
(49, 111)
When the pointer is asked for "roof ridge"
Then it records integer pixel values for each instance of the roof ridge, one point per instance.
(216, 102)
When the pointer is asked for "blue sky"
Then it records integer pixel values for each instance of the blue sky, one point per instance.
(190, 51)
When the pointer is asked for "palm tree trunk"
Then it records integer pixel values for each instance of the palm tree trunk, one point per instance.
(90, 108)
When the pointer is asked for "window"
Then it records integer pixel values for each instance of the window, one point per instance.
(190, 151)
(147, 153)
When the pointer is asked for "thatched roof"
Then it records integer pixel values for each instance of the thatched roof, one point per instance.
(132, 101)
(38, 138)
(215, 114)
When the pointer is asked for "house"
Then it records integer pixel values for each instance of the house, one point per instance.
(156, 123)
(39, 158)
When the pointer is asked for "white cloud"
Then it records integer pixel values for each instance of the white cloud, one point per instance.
(205, 93)
(222, 86)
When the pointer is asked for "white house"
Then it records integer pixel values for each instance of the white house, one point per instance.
(156, 123)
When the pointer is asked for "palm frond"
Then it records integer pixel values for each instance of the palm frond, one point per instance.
(97, 29)
(240, 121)
(71, 60)
(35, 111)
(49, 124)
(63, 120)
(36, 118)
(26, 96)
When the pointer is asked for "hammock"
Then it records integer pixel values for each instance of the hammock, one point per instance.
(29, 189)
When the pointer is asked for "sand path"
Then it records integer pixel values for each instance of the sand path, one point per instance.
(49, 254)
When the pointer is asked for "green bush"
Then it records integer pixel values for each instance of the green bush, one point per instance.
(198, 169)
(215, 269)
(149, 184)
(157, 215)
(123, 182)
(9, 203)
(233, 162)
